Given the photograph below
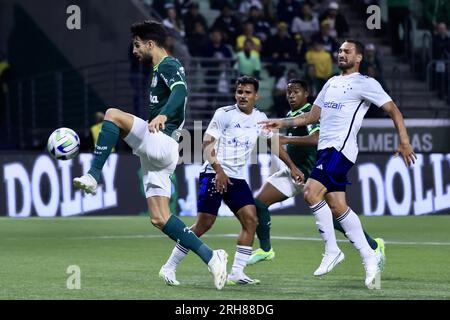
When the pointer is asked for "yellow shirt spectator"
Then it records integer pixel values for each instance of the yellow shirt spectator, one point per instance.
(322, 60)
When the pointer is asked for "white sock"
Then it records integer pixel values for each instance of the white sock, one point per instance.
(324, 223)
(178, 254)
(353, 230)
(241, 257)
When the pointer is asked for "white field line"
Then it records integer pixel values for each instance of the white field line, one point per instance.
(230, 235)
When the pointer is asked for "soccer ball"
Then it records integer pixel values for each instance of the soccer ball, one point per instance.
(63, 144)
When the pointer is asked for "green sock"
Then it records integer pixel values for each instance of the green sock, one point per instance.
(263, 228)
(372, 243)
(107, 140)
(178, 232)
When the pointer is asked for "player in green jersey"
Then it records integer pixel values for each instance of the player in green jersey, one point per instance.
(302, 147)
(155, 142)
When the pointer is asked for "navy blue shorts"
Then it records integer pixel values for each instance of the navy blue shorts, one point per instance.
(331, 169)
(238, 195)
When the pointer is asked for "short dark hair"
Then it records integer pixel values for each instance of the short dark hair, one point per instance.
(358, 45)
(248, 80)
(150, 30)
(300, 82)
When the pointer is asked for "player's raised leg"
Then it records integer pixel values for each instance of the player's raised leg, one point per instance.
(116, 123)
(168, 270)
(248, 219)
(314, 195)
(351, 224)
(266, 197)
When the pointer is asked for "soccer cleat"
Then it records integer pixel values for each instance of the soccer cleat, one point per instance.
(329, 261)
(372, 271)
(380, 251)
(218, 268)
(169, 276)
(241, 278)
(261, 255)
(86, 183)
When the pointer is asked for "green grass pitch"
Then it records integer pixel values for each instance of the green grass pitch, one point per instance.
(120, 258)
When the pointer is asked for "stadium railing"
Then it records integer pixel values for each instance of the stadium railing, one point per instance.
(438, 77)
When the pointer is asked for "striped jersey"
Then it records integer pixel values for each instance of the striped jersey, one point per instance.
(344, 100)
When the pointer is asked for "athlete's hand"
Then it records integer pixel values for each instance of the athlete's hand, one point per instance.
(157, 123)
(297, 176)
(222, 181)
(407, 153)
(271, 124)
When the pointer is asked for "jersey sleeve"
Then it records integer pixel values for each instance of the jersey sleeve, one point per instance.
(373, 92)
(218, 124)
(320, 97)
(313, 127)
(172, 75)
(266, 134)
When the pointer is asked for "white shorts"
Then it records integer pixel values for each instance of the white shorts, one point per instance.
(282, 180)
(159, 157)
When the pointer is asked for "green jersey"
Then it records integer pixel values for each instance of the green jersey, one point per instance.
(304, 157)
(167, 76)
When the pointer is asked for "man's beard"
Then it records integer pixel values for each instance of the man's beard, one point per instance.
(345, 66)
(146, 58)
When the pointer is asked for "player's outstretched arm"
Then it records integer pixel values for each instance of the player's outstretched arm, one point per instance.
(298, 121)
(281, 153)
(222, 180)
(404, 148)
(306, 141)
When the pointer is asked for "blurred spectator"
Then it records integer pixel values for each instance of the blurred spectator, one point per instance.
(322, 61)
(398, 12)
(248, 62)
(281, 106)
(306, 23)
(246, 5)
(215, 75)
(179, 50)
(300, 50)
(220, 4)
(436, 11)
(261, 25)
(324, 36)
(161, 6)
(286, 10)
(198, 40)
(441, 51)
(269, 11)
(172, 22)
(373, 72)
(192, 17)
(338, 23)
(314, 83)
(249, 34)
(230, 26)
(280, 47)
(5, 78)
(441, 42)
(139, 75)
(371, 59)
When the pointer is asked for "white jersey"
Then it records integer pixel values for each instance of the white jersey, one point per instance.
(344, 100)
(236, 133)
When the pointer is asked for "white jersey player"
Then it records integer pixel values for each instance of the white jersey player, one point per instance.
(228, 142)
(341, 106)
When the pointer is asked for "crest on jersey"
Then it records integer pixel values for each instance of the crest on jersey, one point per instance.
(154, 81)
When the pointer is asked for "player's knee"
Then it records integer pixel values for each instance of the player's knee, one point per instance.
(309, 196)
(113, 114)
(251, 222)
(157, 221)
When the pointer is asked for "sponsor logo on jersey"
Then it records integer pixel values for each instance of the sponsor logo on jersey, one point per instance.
(319, 167)
(154, 99)
(237, 125)
(333, 105)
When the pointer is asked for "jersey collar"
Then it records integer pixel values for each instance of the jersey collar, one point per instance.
(155, 68)
(296, 112)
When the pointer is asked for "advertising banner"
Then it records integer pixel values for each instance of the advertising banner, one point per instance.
(36, 185)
